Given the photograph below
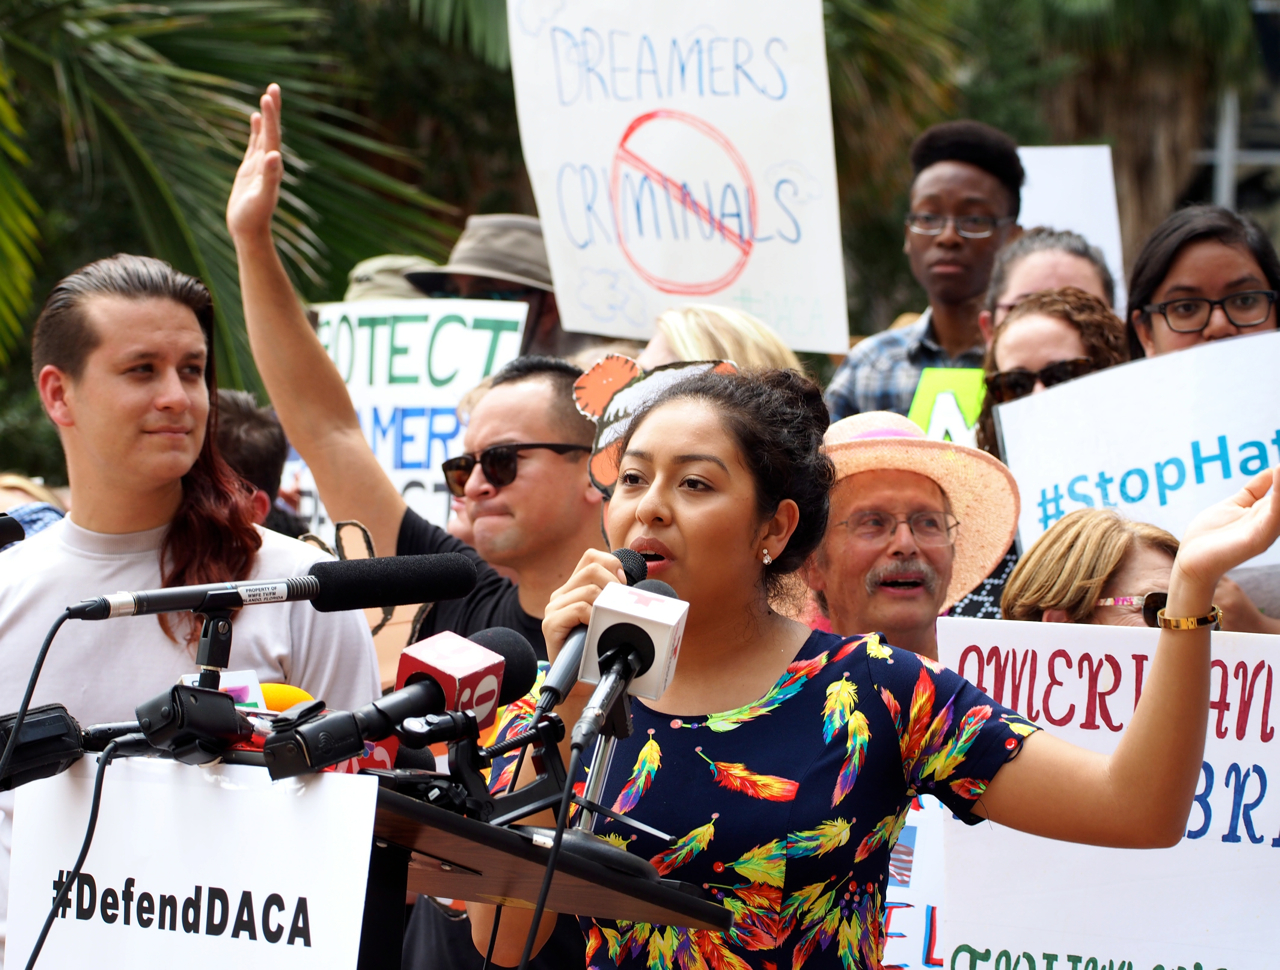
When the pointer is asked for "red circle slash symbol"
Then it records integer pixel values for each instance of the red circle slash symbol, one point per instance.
(666, 128)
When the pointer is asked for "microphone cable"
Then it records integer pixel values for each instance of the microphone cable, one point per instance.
(21, 716)
(71, 878)
(562, 821)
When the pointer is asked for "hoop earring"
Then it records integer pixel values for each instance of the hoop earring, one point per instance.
(767, 558)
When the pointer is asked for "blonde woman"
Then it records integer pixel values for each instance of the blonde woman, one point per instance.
(1096, 566)
(701, 331)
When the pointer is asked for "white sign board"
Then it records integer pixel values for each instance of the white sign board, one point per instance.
(1209, 901)
(192, 867)
(681, 151)
(1074, 187)
(1159, 439)
(407, 364)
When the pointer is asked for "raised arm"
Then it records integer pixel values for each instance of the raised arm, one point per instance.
(305, 387)
(1140, 795)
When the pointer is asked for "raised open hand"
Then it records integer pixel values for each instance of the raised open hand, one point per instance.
(1232, 531)
(257, 185)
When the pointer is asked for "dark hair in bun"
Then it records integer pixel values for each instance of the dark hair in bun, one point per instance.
(777, 418)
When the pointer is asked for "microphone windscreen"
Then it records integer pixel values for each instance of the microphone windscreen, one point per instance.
(521, 663)
(10, 529)
(281, 697)
(359, 584)
(633, 565)
(657, 587)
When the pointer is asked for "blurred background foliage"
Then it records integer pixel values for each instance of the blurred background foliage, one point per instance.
(394, 104)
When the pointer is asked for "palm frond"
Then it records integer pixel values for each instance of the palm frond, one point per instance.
(477, 25)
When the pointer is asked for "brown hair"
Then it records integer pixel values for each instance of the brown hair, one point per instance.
(212, 537)
(1100, 329)
(251, 440)
(1070, 565)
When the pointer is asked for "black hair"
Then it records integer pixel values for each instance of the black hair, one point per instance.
(1192, 224)
(561, 374)
(252, 440)
(974, 143)
(777, 418)
(1042, 239)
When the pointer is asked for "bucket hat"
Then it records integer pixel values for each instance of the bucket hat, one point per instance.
(981, 490)
(502, 247)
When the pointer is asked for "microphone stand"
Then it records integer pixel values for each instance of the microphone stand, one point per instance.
(214, 652)
(617, 724)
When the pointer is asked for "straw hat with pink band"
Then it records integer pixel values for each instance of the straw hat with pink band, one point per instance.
(981, 490)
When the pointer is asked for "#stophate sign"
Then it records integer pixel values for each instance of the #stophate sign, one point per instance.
(1014, 899)
(681, 151)
(1157, 439)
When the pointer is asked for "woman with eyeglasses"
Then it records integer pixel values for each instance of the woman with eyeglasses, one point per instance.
(1206, 273)
(1046, 339)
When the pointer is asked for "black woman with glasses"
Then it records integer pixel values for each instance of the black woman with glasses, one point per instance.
(964, 207)
(1206, 273)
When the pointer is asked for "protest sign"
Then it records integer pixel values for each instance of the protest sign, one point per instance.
(947, 403)
(1159, 439)
(681, 151)
(197, 867)
(1208, 901)
(406, 364)
(1073, 187)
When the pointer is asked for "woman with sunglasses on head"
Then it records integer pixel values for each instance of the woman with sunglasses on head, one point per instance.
(783, 760)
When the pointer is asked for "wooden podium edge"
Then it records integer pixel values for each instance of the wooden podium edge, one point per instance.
(580, 886)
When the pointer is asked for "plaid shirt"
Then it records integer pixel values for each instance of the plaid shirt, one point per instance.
(881, 372)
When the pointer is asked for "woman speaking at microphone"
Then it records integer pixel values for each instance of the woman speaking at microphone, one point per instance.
(784, 761)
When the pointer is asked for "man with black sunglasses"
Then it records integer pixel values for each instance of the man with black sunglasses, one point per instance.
(963, 209)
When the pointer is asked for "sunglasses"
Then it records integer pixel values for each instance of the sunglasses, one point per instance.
(498, 463)
(1009, 385)
(1151, 605)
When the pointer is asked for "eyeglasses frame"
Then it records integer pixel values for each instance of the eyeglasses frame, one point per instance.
(1162, 309)
(1000, 223)
(952, 525)
(477, 458)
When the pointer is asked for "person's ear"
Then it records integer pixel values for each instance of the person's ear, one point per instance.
(986, 323)
(55, 389)
(1142, 328)
(812, 574)
(776, 532)
(593, 496)
(260, 502)
(1054, 616)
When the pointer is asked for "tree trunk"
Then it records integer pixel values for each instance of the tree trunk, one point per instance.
(1151, 114)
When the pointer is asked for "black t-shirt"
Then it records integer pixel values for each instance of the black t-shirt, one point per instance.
(494, 602)
(434, 939)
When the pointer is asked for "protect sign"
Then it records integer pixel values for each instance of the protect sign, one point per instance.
(682, 152)
(407, 364)
(1158, 439)
(1209, 901)
(192, 867)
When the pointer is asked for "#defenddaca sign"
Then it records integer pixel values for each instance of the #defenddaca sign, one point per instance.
(192, 867)
(1014, 899)
(1157, 439)
(681, 151)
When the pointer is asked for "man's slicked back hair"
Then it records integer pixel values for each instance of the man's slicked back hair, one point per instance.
(577, 428)
(977, 144)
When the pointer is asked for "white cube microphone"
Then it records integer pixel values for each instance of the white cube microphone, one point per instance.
(661, 617)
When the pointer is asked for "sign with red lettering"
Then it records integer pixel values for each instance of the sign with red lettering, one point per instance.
(1208, 901)
(681, 150)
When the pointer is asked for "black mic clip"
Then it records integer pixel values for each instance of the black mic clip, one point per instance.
(421, 732)
(193, 724)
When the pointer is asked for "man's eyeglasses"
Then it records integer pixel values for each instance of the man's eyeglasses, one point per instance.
(1191, 314)
(1009, 385)
(498, 463)
(971, 227)
(1151, 604)
(929, 528)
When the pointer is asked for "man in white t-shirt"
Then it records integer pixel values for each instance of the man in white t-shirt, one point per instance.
(121, 359)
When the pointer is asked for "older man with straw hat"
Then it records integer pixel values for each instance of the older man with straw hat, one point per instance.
(915, 525)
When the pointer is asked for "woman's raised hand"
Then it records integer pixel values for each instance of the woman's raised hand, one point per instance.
(257, 186)
(1231, 532)
(570, 605)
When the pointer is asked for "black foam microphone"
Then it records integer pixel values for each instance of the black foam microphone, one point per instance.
(11, 530)
(331, 586)
(564, 672)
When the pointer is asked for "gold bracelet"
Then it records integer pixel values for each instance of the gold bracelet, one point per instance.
(1189, 622)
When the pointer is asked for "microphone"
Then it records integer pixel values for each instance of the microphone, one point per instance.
(11, 530)
(564, 672)
(443, 673)
(632, 646)
(331, 586)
